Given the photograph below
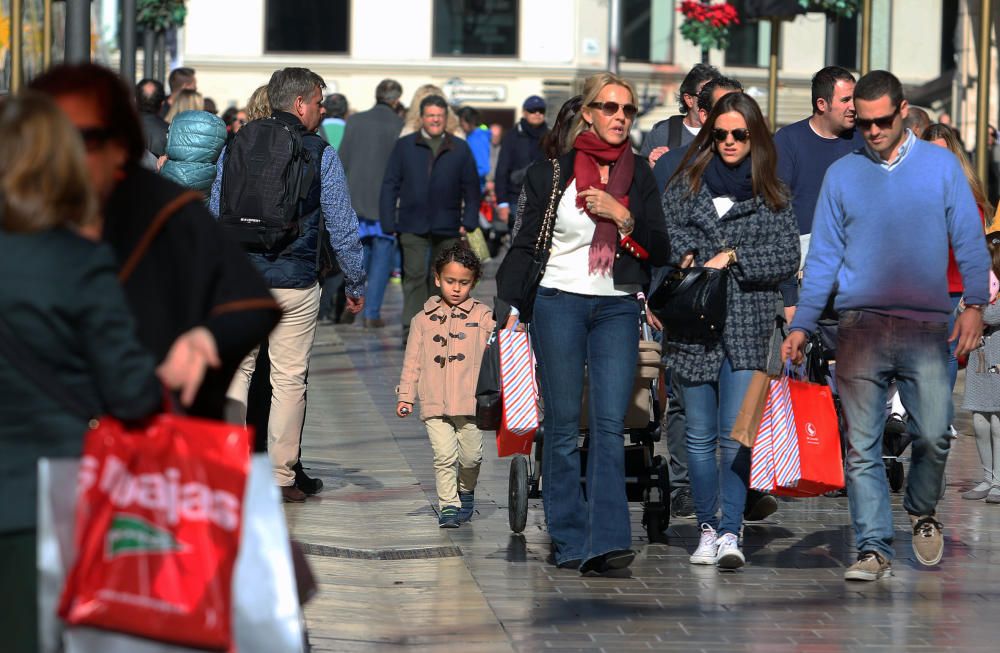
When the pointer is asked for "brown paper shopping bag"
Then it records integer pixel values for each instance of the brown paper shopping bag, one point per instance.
(748, 419)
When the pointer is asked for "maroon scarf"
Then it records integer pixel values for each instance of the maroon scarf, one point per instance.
(592, 152)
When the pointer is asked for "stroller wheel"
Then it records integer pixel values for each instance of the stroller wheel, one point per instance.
(656, 518)
(894, 470)
(517, 494)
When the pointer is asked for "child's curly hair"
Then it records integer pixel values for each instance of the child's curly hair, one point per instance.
(461, 254)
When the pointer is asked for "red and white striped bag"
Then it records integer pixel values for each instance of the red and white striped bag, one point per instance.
(774, 460)
(519, 391)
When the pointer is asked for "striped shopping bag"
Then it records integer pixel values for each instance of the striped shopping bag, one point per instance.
(519, 391)
(774, 459)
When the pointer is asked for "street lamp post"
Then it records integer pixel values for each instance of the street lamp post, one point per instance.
(127, 41)
(614, 35)
(772, 79)
(866, 36)
(16, 47)
(77, 31)
(47, 33)
(983, 91)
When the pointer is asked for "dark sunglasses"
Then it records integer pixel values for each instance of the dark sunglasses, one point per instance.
(94, 137)
(741, 135)
(993, 238)
(611, 109)
(541, 111)
(883, 122)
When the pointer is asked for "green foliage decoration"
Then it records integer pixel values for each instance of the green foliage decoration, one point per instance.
(160, 15)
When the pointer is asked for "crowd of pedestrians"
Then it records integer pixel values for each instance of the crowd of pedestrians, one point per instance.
(152, 243)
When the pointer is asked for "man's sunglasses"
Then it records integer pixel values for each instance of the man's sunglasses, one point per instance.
(611, 109)
(94, 137)
(541, 111)
(883, 122)
(741, 135)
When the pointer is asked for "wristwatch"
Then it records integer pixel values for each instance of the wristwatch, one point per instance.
(731, 253)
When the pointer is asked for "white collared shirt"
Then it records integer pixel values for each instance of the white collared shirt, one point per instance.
(904, 149)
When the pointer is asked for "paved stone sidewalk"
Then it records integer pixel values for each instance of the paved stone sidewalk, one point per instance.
(391, 580)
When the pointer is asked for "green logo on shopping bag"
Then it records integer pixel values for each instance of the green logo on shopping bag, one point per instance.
(132, 535)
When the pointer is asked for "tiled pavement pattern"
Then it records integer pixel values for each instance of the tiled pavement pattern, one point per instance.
(391, 580)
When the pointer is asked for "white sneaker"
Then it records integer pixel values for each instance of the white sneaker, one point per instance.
(729, 555)
(707, 547)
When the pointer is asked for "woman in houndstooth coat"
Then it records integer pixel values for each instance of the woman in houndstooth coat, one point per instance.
(726, 208)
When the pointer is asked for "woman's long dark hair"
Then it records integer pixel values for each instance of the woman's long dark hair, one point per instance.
(763, 156)
(555, 143)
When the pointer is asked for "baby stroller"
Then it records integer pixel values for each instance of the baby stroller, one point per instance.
(647, 475)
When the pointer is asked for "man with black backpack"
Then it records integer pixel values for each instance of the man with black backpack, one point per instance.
(280, 190)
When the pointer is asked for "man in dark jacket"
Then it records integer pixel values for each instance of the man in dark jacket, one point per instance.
(149, 98)
(296, 96)
(430, 197)
(681, 129)
(368, 141)
(521, 147)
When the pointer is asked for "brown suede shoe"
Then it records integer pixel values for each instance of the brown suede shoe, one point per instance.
(374, 323)
(292, 494)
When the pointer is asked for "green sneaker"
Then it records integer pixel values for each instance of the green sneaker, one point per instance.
(468, 500)
(448, 517)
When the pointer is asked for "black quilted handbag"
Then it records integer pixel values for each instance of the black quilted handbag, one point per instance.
(691, 303)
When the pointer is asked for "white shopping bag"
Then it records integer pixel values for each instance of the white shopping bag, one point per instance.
(266, 612)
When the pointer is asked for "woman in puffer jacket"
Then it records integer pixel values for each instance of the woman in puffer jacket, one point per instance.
(194, 142)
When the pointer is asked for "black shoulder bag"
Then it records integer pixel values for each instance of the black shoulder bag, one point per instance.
(691, 303)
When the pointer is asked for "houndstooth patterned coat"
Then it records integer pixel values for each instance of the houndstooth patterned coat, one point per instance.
(767, 251)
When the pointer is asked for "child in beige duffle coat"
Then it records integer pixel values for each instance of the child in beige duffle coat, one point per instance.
(441, 367)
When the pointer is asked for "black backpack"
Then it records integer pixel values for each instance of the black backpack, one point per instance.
(266, 173)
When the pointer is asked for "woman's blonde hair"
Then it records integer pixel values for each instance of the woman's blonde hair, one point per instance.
(186, 100)
(591, 89)
(258, 106)
(413, 123)
(950, 138)
(44, 181)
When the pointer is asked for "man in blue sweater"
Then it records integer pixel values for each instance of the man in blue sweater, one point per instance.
(880, 239)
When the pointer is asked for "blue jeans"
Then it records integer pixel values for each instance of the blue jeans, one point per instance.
(570, 331)
(873, 350)
(379, 257)
(711, 411)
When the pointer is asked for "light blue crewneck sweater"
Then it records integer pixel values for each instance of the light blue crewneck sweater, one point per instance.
(880, 237)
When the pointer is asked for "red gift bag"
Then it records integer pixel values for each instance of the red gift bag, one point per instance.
(519, 392)
(820, 460)
(158, 530)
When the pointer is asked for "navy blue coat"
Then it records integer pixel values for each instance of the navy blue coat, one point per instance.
(423, 194)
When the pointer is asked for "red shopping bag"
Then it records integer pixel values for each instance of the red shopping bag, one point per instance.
(774, 459)
(821, 462)
(519, 393)
(158, 529)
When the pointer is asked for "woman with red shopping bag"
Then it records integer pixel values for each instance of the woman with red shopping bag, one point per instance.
(728, 212)
(592, 224)
(60, 304)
